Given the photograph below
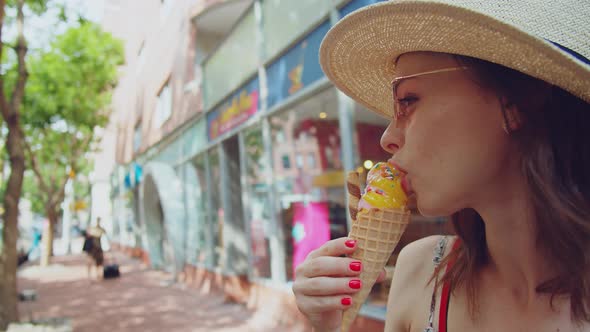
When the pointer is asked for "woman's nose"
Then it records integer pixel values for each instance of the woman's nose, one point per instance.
(392, 139)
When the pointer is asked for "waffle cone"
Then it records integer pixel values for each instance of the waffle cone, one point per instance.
(353, 187)
(377, 232)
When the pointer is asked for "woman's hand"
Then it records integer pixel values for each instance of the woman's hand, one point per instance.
(324, 283)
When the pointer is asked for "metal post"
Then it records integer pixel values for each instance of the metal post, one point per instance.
(246, 201)
(209, 216)
(347, 128)
(346, 122)
(226, 206)
(277, 238)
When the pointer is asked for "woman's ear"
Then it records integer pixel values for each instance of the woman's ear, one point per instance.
(511, 114)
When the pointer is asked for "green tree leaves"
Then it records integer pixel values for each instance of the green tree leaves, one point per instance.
(72, 81)
(67, 97)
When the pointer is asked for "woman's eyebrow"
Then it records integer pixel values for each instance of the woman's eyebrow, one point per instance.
(396, 82)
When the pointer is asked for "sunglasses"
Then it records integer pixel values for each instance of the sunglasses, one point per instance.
(398, 112)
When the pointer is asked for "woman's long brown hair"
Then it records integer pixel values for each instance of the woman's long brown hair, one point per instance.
(554, 144)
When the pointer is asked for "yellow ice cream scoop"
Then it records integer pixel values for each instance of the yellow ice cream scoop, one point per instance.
(384, 189)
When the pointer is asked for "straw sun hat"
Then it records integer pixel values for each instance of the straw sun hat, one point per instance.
(549, 40)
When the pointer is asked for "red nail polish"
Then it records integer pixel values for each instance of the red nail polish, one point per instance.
(346, 301)
(350, 243)
(355, 266)
(354, 284)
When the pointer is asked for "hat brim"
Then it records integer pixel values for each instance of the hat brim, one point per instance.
(358, 54)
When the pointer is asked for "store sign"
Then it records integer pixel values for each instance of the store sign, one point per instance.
(298, 68)
(239, 108)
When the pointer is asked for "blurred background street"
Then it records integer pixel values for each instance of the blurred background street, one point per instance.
(142, 299)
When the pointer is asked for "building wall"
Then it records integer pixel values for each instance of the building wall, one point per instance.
(166, 39)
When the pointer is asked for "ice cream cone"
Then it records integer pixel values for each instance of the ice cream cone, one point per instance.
(377, 232)
(353, 186)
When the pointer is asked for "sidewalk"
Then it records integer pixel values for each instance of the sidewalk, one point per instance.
(140, 300)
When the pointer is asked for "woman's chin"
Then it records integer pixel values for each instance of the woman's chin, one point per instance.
(432, 209)
(427, 213)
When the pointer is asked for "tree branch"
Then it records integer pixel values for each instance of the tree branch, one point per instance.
(58, 197)
(21, 50)
(3, 104)
(35, 167)
(80, 149)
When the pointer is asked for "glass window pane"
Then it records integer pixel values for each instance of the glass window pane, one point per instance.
(137, 138)
(217, 213)
(235, 60)
(259, 213)
(286, 20)
(197, 212)
(163, 106)
(286, 162)
(311, 195)
(311, 160)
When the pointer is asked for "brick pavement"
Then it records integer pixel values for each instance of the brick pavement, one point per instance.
(140, 300)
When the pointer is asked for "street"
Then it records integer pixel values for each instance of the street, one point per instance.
(140, 300)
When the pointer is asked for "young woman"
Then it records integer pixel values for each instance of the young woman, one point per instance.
(490, 122)
(93, 248)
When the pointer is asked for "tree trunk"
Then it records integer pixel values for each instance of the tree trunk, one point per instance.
(16, 155)
(8, 260)
(48, 231)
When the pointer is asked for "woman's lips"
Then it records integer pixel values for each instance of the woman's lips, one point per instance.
(396, 166)
(405, 182)
(412, 203)
(406, 186)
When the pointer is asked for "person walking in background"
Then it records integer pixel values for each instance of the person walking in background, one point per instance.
(488, 103)
(93, 248)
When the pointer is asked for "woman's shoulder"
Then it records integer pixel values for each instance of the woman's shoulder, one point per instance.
(419, 255)
(414, 264)
(411, 290)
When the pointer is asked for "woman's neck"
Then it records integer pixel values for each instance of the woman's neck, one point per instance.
(515, 261)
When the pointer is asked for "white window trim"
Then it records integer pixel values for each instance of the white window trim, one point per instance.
(163, 105)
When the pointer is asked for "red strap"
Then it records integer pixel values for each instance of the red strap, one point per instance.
(446, 295)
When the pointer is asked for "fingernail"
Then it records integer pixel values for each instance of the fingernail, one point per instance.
(354, 284)
(346, 301)
(355, 266)
(350, 243)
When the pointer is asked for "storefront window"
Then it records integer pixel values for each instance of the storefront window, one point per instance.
(197, 211)
(259, 211)
(234, 231)
(217, 212)
(204, 249)
(129, 218)
(309, 177)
